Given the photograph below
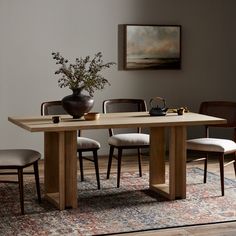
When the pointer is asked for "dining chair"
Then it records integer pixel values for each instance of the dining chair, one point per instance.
(83, 144)
(125, 140)
(217, 147)
(13, 162)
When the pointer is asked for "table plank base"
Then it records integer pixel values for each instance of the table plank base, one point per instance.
(177, 162)
(53, 198)
(163, 190)
(60, 168)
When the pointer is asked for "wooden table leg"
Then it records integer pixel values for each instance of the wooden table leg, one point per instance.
(71, 169)
(61, 168)
(176, 188)
(157, 159)
(180, 163)
(172, 162)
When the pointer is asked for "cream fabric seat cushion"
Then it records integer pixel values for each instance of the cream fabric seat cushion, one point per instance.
(211, 145)
(87, 143)
(129, 139)
(18, 157)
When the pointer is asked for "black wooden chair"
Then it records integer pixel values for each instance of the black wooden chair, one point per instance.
(217, 147)
(18, 159)
(83, 144)
(130, 140)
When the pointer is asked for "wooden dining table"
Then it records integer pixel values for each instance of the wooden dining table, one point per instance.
(60, 150)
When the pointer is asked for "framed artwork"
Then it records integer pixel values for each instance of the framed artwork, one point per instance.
(151, 47)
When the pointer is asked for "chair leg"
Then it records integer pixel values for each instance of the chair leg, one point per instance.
(110, 161)
(140, 162)
(205, 169)
(119, 166)
(81, 166)
(95, 156)
(21, 189)
(36, 174)
(221, 161)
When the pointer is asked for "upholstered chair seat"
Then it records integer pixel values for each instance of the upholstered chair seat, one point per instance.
(87, 143)
(212, 145)
(129, 139)
(18, 157)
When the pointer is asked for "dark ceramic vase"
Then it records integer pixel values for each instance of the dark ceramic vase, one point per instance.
(77, 104)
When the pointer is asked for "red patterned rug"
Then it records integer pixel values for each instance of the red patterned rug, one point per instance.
(111, 210)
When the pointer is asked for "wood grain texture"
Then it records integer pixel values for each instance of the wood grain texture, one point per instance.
(157, 156)
(180, 162)
(71, 169)
(114, 120)
(60, 168)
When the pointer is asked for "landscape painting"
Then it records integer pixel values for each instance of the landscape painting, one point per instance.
(152, 47)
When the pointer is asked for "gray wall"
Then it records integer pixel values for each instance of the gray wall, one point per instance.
(31, 30)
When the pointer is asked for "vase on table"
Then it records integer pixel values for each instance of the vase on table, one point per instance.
(77, 104)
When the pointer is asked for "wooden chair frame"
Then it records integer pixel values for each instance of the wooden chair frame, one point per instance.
(19, 172)
(222, 109)
(141, 106)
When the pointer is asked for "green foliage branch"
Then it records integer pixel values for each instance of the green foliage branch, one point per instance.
(83, 74)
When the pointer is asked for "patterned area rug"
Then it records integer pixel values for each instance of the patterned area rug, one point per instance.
(112, 210)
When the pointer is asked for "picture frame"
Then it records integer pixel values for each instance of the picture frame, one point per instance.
(150, 47)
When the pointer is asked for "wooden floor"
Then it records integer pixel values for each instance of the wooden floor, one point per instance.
(129, 163)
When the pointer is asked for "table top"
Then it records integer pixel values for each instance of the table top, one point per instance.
(114, 120)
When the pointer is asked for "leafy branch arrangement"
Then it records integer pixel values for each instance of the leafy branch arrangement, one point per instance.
(84, 74)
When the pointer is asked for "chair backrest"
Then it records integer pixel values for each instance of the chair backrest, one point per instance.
(52, 108)
(123, 105)
(222, 109)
